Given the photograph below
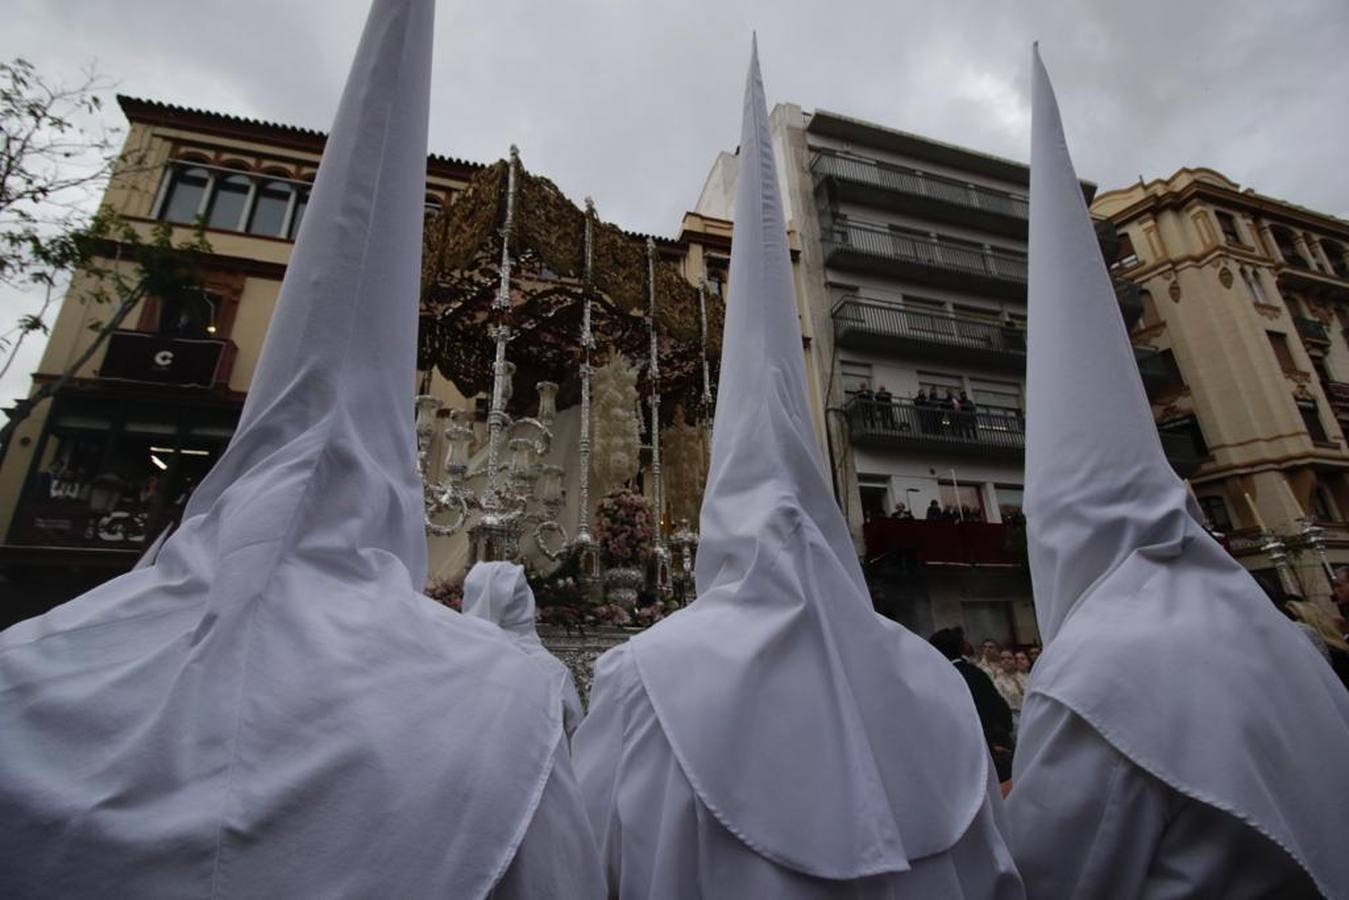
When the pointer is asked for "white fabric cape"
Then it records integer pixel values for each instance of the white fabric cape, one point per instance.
(826, 739)
(1154, 635)
(272, 708)
(500, 593)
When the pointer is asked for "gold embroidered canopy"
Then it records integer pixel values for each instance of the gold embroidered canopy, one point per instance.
(462, 273)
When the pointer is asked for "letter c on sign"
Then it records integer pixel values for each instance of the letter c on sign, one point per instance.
(164, 358)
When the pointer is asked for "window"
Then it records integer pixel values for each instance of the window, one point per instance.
(1150, 315)
(856, 376)
(1312, 419)
(228, 200)
(1287, 245)
(927, 381)
(1126, 258)
(1228, 223)
(187, 193)
(1282, 352)
(716, 276)
(1169, 379)
(187, 315)
(1319, 367)
(104, 480)
(1183, 436)
(301, 201)
(231, 200)
(1252, 279)
(1215, 511)
(1323, 505)
(996, 395)
(966, 498)
(1335, 252)
(875, 490)
(270, 206)
(1011, 498)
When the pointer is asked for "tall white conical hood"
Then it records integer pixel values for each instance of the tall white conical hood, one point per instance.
(271, 708)
(1134, 598)
(825, 738)
(329, 415)
(1098, 485)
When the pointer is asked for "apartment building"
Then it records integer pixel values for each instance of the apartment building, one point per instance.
(1245, 310)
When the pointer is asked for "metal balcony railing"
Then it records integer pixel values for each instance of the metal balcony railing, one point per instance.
(861, 322)
(917, 183)
(931, 252)
(1312, 330)
(900, 422)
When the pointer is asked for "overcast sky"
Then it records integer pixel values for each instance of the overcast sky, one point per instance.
(629, 102)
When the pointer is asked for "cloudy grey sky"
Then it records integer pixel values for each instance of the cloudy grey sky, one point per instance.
(629, 102)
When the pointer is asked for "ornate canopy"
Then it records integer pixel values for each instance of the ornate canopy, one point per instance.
(462, 271)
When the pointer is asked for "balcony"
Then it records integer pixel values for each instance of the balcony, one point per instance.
(1312, 331)
(942, 543)
(167, 360)
(901, 425)
(862, 324)
(941, 261)
(856, 180)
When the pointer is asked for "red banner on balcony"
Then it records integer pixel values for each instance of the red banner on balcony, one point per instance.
(943, 542)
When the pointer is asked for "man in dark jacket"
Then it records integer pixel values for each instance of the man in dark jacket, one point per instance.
(994, 713)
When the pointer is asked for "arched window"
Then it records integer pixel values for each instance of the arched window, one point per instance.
(1288, 247)
(187, 190)
(270, 205)
(1335, 252)
(228, 201)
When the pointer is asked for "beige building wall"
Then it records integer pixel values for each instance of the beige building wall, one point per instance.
(1260, 346)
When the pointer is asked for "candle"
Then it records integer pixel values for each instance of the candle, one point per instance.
(1292, 496)
(1255, 513)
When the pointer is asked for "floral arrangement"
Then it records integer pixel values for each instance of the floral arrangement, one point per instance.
(447, 592)
(624, 527)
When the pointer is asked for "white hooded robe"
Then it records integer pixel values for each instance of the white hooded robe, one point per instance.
(1175, 727)
(271, 708)
(500, 593)
(777, 738)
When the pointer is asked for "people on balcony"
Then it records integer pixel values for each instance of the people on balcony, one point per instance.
(885, 403)
(934, 512)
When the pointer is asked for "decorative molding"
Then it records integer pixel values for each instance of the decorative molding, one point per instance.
(1225, 276)
(1174, 291)
(1268, 311)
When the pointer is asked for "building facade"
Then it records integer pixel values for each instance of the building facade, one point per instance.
(98, 470)
(1246, 306)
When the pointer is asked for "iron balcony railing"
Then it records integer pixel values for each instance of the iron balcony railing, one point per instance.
(1311, 330)
(900, 421)
(860, 316)
(940, 253)
(918, 183)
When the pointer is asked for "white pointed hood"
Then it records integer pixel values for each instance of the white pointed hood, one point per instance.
(827, 739)
(500, 593)
(1136, 602)
(272, 708)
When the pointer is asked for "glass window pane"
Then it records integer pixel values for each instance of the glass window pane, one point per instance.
(185, 193)
(269, 209)
(301, 201)
(227, 204)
